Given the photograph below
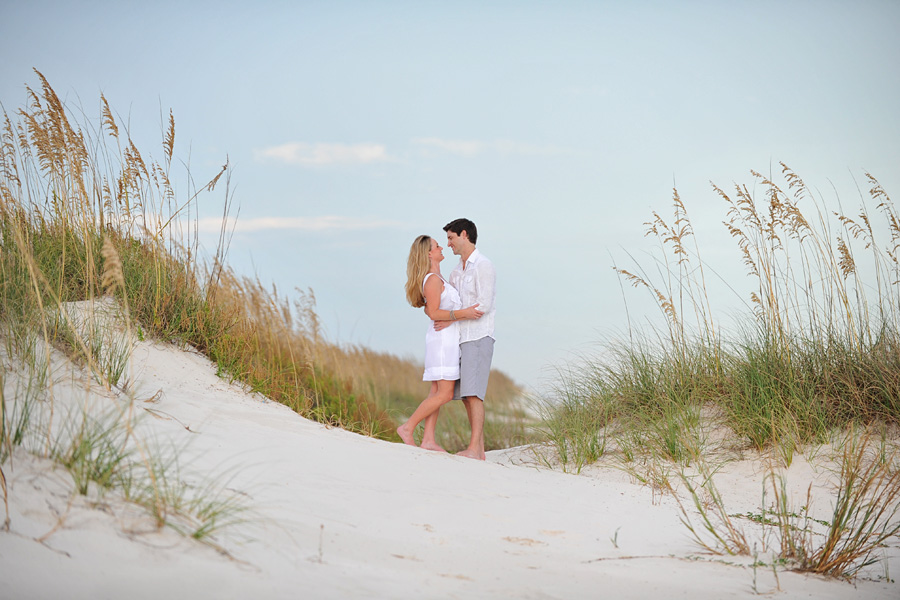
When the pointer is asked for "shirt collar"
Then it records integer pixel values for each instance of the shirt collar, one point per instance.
(473, 258)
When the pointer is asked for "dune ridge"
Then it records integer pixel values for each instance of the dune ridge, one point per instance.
(334, 514)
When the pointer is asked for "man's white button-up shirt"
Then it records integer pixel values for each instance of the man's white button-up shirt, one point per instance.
(476, 284)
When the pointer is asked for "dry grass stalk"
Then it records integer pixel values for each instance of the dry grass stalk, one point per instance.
(7, 449)
(864, 517)
(717, 533)
(865, 512)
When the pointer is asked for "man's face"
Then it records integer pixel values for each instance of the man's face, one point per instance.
(455, 242)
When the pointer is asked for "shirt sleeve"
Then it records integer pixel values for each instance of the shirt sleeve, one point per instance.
(485, 285)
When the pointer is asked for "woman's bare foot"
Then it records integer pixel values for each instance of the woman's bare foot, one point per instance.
(406, 435)
(471, 454)
(432, 446)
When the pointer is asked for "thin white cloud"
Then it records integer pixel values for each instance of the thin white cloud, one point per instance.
(317, 155)
(323, 223)
(470, 148)
(151, 224)
(458, 147)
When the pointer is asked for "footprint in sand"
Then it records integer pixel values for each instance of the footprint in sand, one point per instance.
(525, 541)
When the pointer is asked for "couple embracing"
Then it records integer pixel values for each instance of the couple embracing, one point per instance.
(459, 343)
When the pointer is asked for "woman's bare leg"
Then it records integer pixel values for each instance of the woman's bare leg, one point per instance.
(441, 393)
(429, 442)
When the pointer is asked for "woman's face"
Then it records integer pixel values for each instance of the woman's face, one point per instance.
(436, 253)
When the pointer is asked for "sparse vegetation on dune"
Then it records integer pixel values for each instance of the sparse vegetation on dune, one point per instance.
(70, 189)
(819, 350)
(85, 215)
(283, 350)
(97, 252)
(818, 354)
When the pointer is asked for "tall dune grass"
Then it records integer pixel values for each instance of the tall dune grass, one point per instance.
(77, 195)
(70, 189)
(815, 357)
(99, 247)
(818, 349)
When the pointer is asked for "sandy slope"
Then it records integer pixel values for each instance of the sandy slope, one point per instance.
(338, 515)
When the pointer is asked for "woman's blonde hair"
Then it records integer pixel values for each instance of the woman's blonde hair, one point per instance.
(417, 267)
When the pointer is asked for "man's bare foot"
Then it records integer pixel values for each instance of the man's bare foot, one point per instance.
(432, 446)
(406, 435)
(471, 454)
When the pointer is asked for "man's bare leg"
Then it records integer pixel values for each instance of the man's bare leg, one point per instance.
(428, 440)
(475, 410)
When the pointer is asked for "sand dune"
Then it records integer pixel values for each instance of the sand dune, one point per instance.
(338, 515)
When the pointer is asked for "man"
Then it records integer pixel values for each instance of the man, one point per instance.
(475, 280)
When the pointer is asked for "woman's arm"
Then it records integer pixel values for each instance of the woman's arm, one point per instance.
(433, 288)
(472, 312)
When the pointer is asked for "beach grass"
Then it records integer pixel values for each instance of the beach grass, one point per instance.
(96, 253)
(865, 516)
(86, 213)
(99, 249)
(815, 355)
(818, 349)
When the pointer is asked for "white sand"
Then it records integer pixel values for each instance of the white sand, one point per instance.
(339, 515)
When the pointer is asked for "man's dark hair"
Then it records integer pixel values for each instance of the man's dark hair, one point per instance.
(460, 225)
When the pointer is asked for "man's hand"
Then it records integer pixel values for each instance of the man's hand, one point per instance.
(439, 325)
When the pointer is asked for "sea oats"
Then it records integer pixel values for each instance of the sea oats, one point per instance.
(794, 182)
(8, 163)
(169, 143)
(113, 277)
(635, 280)
(160, 176)
(108, 119)
(848, 266)
(212, 184)
(855, 229)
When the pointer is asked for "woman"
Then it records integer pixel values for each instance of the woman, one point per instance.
(425, 287)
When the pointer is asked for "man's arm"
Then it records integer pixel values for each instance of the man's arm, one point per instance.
(485, 286)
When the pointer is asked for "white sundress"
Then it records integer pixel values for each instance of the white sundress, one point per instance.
(442, 347)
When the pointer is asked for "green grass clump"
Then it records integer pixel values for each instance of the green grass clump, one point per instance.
(84, 214)
(818, 350)
(93, 450)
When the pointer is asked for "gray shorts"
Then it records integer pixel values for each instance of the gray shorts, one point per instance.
(474, 368)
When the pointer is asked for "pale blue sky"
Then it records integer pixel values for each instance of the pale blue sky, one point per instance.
(556, 126)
